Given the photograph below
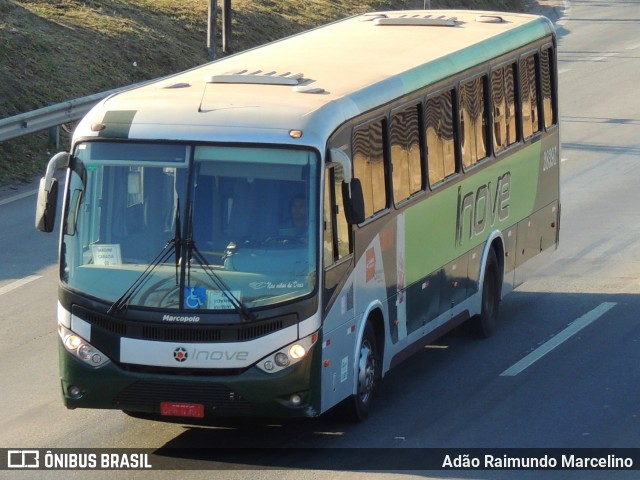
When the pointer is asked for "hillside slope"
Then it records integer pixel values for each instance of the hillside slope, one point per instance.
(57, 50)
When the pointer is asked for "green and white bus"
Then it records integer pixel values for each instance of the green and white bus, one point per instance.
(270, 233)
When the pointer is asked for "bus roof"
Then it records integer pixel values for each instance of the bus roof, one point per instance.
(345, 68)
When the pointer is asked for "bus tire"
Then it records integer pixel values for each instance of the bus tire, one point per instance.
(368, 368)
(483, 325)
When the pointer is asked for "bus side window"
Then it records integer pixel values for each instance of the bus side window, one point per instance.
(404, 137)
(473, 121)
(440, 137)
(548, 84)
(529, 95)
(368, 161)
(336, 229)
(505, 132)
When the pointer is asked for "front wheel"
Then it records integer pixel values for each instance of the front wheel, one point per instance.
(368, 370)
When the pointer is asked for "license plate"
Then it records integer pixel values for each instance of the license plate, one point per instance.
(172, 409)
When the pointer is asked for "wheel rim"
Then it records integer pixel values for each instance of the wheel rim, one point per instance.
(366, 372)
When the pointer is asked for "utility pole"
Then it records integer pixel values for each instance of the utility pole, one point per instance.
(211, 28)
(226, 26)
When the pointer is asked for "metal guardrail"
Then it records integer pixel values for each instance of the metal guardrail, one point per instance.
(51, 116)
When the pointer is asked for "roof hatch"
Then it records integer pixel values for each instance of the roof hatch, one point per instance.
(418, 19)
(256, 77)
(490, 19)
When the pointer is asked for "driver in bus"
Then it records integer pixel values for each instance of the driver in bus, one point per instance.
(296, 225)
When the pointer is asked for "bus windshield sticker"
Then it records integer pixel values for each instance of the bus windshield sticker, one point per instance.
(195, 297)
(106, 254)
(217, 300)
(285, 285)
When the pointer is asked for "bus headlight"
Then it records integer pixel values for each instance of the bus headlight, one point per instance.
(297, 351)
(287, 356)
(81, 349)
(281, 359)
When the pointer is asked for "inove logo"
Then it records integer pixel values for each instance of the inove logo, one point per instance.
(180, 355)
(195, 355)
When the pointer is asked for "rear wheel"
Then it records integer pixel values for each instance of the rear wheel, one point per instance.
(485, 324)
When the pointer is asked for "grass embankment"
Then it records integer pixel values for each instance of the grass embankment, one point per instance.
(57, 50)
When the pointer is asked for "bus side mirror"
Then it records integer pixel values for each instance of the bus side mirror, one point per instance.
(48, 193)
(47, 205)
(354, 201)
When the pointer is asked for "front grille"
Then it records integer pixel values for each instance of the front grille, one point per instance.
(185, 333)
(181, 334)
(215, 396)
(106, 323)
(191, 372)
(259, 330)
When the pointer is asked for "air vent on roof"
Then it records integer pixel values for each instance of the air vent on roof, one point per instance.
(369, 17)
(416, 19)
(256, 77)
(308, 89)
(174, 85)
(489, 19)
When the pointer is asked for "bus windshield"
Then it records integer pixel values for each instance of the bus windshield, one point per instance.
(191, 227)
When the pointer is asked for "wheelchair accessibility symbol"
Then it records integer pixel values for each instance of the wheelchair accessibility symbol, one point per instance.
(195, 297)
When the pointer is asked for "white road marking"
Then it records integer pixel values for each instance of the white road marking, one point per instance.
(18, 196)
(603, 57)
(561, 337)
(18, 283)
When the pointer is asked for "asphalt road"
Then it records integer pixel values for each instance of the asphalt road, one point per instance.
(562, 371)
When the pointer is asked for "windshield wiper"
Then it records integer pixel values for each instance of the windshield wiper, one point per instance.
(240, 307)
(122, 303)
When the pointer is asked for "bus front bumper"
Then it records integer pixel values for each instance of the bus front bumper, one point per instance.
(287, 393)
